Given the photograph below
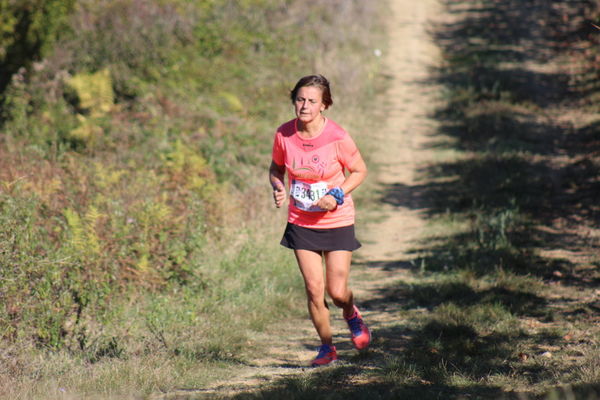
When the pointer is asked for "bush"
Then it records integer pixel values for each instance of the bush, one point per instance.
(132, 176)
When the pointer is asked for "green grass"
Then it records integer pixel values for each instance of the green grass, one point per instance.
(500, 300)
(184, 337)
(133, 264)
(138, 246)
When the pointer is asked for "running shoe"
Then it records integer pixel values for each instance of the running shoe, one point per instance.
(361, 337)
(326, 356)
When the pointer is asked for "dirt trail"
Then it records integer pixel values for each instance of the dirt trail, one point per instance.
(411, 99)
(398, 220)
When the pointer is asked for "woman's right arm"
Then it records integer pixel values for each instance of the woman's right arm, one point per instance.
(276, 173)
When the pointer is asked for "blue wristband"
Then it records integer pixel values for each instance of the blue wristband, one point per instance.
(338, 195)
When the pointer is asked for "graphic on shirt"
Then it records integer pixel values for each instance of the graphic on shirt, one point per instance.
(313, 170)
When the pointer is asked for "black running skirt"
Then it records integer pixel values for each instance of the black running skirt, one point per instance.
(300, 238)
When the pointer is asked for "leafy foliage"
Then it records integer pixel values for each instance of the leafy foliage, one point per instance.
(134, 138)
(28, 31)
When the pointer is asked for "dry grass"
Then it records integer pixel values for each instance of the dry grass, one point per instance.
(502, 303)
(138, 245)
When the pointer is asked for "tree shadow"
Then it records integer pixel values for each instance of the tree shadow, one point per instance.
(430, 296)
(526, 170)
(538, 28)
(420, 365)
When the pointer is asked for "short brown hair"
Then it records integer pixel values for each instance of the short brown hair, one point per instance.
(314, 80)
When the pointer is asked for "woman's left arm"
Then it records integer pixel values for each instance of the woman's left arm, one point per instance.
(358, 173)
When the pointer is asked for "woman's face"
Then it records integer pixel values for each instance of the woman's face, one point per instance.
(309, 103)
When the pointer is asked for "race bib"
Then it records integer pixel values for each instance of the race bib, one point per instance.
(305, 194)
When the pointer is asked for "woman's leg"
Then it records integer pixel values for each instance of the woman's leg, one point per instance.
(337, 273)
(311, 267)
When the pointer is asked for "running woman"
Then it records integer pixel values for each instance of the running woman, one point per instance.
(323, 167)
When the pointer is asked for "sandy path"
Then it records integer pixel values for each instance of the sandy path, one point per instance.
(403, 151)
(404, 139)
(399, 220)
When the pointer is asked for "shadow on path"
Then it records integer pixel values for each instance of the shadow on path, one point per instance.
(529, 173)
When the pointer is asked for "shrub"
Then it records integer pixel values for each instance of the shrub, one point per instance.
(132, 177)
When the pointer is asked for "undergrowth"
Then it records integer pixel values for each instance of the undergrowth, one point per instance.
(135, 220)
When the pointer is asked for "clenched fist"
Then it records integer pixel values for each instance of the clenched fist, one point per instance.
(279, 195)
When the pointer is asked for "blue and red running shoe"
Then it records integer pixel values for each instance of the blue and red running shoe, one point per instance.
(326, 356)
(361, 337)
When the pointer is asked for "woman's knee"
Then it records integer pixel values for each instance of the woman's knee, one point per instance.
(315, 293)
(339, 296)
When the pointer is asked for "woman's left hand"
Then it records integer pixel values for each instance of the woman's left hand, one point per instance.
(326, 202)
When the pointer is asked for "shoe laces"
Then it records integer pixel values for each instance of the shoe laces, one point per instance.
(324, 349)
(355, 325)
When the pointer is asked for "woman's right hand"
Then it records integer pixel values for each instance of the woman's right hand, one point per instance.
(279, 195)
